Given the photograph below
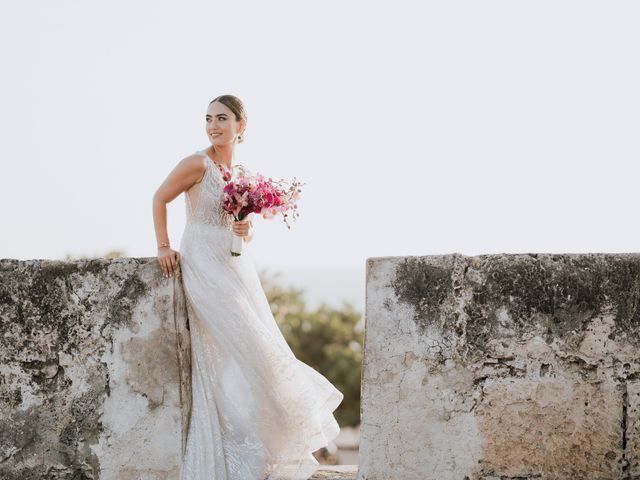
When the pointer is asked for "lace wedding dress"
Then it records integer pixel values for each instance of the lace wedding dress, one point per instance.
(258, 412)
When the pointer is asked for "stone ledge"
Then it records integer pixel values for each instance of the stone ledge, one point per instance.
(335, 472)
(94, 382)
(501, 367)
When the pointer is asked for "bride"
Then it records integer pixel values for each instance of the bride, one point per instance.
(257, 411)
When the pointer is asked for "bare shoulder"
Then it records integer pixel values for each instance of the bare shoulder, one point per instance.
(189, 171)
(195, 161)
(193, 166)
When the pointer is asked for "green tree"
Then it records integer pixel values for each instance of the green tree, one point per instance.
(327, 339)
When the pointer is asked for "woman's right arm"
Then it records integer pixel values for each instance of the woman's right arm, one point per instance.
(189, 171)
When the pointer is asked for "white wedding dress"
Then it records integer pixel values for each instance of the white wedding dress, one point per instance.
(258, 412)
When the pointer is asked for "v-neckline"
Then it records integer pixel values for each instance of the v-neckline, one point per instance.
(217, 165)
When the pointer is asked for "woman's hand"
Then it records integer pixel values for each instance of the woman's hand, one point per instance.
(168, 260)
(241, 227)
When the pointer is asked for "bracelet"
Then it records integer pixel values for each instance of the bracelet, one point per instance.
(163, 244)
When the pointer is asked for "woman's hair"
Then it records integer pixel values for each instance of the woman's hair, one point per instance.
(234, 104)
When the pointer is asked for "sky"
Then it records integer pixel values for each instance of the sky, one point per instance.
(419, 128)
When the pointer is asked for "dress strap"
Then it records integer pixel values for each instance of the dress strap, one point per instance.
(206, 156)
(216, 165)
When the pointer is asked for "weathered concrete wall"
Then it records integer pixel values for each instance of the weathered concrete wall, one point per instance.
(94, 360)
(501, 367)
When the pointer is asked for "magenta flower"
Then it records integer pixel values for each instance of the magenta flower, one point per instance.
(266, 197)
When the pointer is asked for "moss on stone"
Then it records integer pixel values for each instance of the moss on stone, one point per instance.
(557, 293)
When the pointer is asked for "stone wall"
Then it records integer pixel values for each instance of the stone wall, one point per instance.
(94, 356)
(475, 368)
(501, 367)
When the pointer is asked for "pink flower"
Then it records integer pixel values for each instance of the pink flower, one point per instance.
(257, 194)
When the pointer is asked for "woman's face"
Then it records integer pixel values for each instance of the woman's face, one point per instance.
(221, 124)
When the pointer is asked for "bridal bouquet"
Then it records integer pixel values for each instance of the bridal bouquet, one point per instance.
(264, 196)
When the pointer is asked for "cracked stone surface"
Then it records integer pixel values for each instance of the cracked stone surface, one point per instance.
(496, 367)
(94, 355)
(335, 472)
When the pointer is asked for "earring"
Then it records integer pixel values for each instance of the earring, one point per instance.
(240, 138)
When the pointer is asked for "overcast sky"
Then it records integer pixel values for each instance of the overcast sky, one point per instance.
(419, 127)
